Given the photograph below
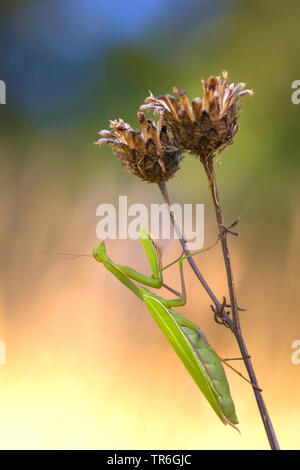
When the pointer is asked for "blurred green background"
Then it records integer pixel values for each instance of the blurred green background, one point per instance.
(84, 362)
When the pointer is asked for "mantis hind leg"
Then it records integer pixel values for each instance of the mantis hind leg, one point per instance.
(181, 295)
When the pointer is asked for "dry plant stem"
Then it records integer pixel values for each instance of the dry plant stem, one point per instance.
(165, 196)
(209, 168)
(164, 192)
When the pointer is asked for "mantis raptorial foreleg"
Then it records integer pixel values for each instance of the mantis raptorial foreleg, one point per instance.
(127, 274)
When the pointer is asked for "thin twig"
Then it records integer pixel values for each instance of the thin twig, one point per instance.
(219, 307)
(165, 196)
(209, 168)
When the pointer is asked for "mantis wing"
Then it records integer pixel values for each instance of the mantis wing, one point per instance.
(199, 358)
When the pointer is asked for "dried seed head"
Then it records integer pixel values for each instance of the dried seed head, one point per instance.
(204, 127)
(151, 155)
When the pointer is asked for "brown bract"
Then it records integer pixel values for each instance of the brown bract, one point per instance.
(206, 126)
(152, 155)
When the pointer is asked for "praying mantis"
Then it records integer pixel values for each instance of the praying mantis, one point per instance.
(189, 342)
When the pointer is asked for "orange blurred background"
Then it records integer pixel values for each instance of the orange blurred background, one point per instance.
(86, 367)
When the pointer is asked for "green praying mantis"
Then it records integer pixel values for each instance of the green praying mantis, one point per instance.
(188, 341)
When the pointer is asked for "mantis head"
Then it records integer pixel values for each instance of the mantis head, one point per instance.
(99, 253)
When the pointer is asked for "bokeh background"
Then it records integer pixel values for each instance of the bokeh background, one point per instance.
(86, 365)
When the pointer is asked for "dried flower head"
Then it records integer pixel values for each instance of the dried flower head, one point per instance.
(206, 126)
(152, 155)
